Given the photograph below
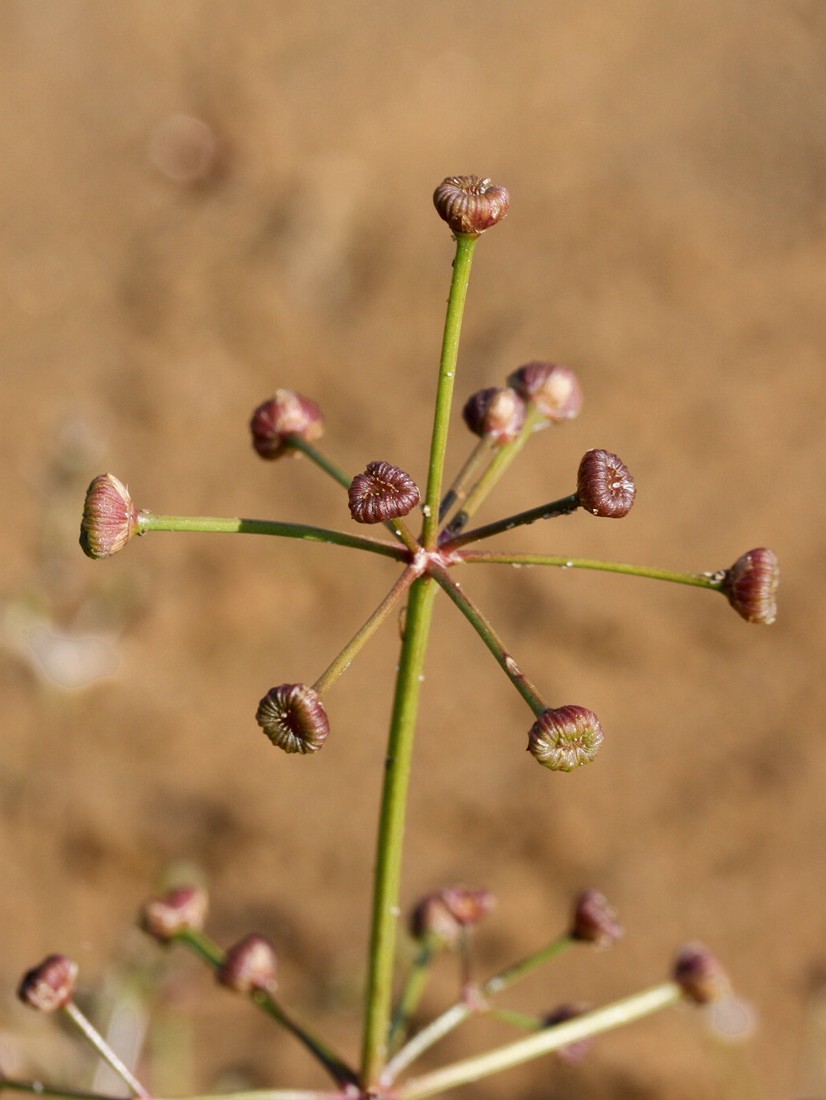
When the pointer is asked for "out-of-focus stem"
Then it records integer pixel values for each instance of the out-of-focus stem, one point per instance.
(426, 1038)
(518, 970)
(453, 1016)
(43, 1088)
(412, 993)
(96, 1040)
(214, 956)
(600, 1020)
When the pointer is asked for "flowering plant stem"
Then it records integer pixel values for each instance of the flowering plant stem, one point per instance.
(489, 636)
(96, 1040)
(444, 395)
(387, 879)
(497, 466)
(453, 1016)
(635, 1007)
(212, 954)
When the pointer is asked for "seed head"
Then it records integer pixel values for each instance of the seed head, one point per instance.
(699, 974)
(553, 389)
(595, 920)
(50, 985)
(293, 717)
(382, 492)
(470, 205)
(286, 416)
(443, 914)
(751, 585)
(566, 737)
(604, 485)
(249, 966)
(496, 414)
(110, 519)
(179, 909)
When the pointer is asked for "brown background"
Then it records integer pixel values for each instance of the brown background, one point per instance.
(162, 275)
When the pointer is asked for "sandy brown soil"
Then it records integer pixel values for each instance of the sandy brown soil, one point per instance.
(203, 201)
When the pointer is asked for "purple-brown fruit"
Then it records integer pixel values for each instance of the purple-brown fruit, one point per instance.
(470, 205)
(293, 717)
(604, 485)
(565, 738)
(50, 985)
(552, 388)
(286, 416)
(383, 492)
(751, 584)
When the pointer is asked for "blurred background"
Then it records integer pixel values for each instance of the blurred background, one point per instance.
(203, 201)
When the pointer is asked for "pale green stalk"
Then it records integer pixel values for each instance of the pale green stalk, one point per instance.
(453, 1016)
(43, 1088)
(712, 581)
(96, 1040)
(360, 639)
(600, 1020)
(483, 627)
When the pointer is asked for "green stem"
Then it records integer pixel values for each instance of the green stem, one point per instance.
(486, 632)
(444, 393)
(397, 527)
(563, 507)
(600, 1020)
(453, 1016)
(356, 644)
(235, 525)
(456, 494)
(412, 993)
(525, 1020)
(712, 581)
(214, 957)
(42, 1088)
(387, 877)
(321, 460)
(518, 970)
(426, 1038)
(491, 475)
(279, 1094)
(96, 1040)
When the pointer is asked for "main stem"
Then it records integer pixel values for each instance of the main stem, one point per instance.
(387, 875)
(387, 879)
(447, 374)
